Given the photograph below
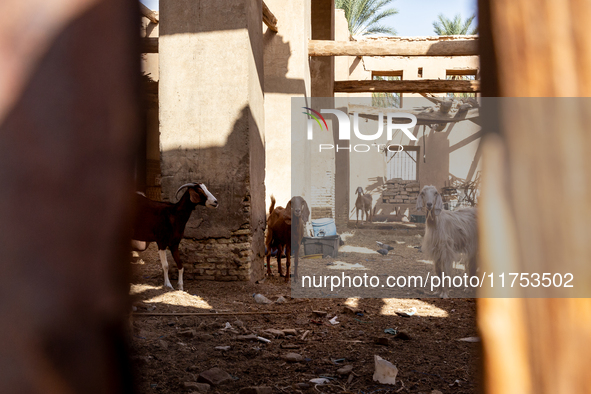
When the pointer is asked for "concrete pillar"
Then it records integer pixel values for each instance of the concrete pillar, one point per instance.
(211, 130)
(287, 75)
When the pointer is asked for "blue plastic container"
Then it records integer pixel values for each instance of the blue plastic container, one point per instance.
(324, 227)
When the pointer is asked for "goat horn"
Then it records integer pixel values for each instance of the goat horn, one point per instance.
(182, 187)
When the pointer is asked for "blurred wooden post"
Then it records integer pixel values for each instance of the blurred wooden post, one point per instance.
(535, 208)
(68, 131)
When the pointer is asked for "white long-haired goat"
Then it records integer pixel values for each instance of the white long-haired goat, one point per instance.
(447, 235)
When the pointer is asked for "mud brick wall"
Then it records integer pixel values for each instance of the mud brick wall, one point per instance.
(321, 212)
(224, 259)
(399, 191)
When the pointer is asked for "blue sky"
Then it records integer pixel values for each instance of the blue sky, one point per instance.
(414, 18)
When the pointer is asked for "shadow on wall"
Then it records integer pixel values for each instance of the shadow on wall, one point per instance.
(277, 55)
(229, 178)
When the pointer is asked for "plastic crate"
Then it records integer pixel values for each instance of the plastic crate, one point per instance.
(418, 218)
(326, 246)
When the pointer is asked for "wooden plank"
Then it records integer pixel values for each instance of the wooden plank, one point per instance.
(149, 45)
(415, 86)
(269, 18)
(534, 208)
(424, 46)
(69, 122)
(148, 13)
(205, 314)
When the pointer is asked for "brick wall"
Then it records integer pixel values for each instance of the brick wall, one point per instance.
(399, 191)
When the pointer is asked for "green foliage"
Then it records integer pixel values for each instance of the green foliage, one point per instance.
(385, 100)
(363, 16)
(448, 27)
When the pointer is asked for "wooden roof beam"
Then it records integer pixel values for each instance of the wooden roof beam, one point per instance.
(149, 45)
(269, 18)
(414, 86)
(148, 13)
(398, 47)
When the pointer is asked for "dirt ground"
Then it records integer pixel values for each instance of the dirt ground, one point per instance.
(168, 351)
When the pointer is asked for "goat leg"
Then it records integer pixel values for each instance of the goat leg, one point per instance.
(269, 264)
(164, 262)
(279, 252)
(295, 265)
(179, 265)
(287, 262)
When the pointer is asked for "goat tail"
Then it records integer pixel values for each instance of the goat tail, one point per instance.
(272, 205)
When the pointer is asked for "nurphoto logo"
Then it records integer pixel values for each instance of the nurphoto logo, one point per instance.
(345, 129)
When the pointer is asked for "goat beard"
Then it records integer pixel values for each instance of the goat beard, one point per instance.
(430, 213)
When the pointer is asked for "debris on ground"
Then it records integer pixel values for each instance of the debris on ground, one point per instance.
(470, 339)
(162, 359)
(385, 371)
(261, 299)
(293, 357)
(214, 377)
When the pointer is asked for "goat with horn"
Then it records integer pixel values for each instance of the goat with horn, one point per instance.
(164, 223)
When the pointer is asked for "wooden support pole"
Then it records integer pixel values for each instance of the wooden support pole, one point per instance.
(148, 13)
(149, 45)
(427, 46)
(69, 124)
(269, 18)
(204, 314)
(534, 210)
(415, 86)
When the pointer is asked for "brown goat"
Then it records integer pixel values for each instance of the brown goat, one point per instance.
(363, 204)
(279, 232)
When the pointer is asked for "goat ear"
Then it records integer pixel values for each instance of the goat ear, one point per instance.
(419, 203)
(438, 204)
(305, 212)
(194, 196)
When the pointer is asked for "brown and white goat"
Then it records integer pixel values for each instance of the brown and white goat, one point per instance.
(286, 230)
(164, 223)
(363, 204)
(447, 235)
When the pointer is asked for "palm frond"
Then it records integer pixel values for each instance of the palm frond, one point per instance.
(363, 16)
(444, 26)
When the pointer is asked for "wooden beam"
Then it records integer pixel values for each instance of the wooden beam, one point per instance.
(205, 314)
(417, 86)
(535, 345)
(67, 330)
(149, 45)
(150, 87)
(148, 13)
(424, 116)
(269, 18)
(424, 46)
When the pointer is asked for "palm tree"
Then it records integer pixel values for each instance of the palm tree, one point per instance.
(363, 16)
(448, 27)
